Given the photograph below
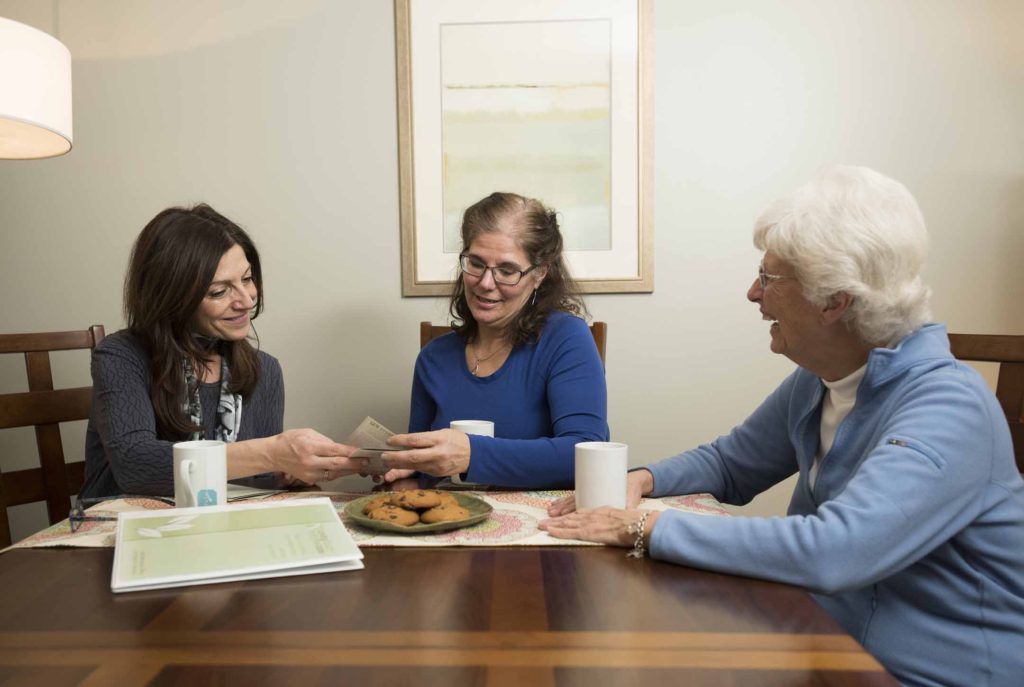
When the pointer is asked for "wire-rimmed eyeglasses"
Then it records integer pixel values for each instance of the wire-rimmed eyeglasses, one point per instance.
(763, 277)
(77, 515)
(506, 275)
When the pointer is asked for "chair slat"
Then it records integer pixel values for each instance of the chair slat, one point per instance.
(599, 330)
(37, 365)
(27, 486)
(1010, 390)
(51, 462)
(49, 341)
(23, 486)
(44, 407)
(991, 348)
(429, 332)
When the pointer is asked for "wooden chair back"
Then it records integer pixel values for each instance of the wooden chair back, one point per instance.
(429, 332)
(1008, 351)
(44, 408)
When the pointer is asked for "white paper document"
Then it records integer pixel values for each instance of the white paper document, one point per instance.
(186, 546)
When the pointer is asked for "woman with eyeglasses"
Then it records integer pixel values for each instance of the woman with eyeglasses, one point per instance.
(907, 518)
(520, 355)
(186, 368)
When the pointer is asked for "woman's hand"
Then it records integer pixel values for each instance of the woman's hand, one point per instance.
(441, 453)
(307, 455)
(639, 483)
(286, 481)
(408, 484)
(603, 525)
(394, 475)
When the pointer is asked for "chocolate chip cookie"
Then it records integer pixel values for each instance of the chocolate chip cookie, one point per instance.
(444, 513)
(417, 499)
(395, 515)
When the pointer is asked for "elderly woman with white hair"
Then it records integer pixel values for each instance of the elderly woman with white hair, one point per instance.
(907, 520)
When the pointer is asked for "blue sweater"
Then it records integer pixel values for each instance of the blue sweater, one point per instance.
(546, 398)
(913, 533)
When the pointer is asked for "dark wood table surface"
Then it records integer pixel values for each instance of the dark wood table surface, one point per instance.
(529, 617)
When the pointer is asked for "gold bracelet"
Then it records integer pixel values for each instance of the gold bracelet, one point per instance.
(637, 529)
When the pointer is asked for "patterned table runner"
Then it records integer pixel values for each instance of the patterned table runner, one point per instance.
(513, 522)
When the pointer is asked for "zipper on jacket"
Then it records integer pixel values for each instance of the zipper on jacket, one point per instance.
(917, 447)
(871, 616)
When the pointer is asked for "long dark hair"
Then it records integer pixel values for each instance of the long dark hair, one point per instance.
(536, 231)
(172, 264)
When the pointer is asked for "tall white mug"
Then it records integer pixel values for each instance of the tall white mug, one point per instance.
(200, 473)
(480, 427)
(601, 468)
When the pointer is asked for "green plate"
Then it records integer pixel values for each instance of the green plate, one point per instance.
(479, 510)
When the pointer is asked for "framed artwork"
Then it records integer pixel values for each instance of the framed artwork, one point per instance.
(550, 100)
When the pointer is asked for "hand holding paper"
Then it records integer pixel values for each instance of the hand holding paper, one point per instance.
(441, 453)
(371, 438)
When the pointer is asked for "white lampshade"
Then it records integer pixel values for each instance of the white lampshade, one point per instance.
(35, 93)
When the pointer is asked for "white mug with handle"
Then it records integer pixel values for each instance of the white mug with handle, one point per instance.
(200, 473)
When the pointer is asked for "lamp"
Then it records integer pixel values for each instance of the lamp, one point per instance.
(35, 93)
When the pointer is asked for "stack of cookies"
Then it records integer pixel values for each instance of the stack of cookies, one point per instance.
(413, 507)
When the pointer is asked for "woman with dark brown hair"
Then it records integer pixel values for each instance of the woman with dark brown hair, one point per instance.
(520, 355)
(185, 367)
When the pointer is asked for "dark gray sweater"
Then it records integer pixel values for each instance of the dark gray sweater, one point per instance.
(123, 452)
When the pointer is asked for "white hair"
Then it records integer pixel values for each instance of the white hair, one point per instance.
(852, 229)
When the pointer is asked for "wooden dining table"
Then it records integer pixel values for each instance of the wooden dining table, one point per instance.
(523, 616)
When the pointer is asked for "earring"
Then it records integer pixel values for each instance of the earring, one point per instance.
(533, 301)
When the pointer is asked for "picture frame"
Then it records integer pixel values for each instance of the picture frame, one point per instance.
(549, 100)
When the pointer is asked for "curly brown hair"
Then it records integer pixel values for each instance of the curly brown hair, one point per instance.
(537, 233)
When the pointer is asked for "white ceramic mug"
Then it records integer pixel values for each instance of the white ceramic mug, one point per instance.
(200, 473)
(481, 427)
(601, 468)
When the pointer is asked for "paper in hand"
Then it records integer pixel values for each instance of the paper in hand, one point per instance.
(372, 439)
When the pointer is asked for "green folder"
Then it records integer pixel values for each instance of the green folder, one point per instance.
(244, 541)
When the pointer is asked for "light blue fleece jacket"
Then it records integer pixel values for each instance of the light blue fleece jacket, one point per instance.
(913, 534)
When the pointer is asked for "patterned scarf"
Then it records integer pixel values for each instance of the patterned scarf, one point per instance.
(229, 407)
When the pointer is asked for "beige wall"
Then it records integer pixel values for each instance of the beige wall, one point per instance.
(282, 116)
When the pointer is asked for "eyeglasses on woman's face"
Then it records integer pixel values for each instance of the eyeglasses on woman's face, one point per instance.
(764, 278)
(506, 275)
